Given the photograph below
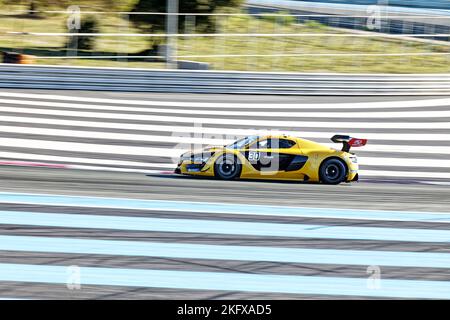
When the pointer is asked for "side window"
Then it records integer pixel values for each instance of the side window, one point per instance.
(282, 143)
(262, 144)
(272, 143)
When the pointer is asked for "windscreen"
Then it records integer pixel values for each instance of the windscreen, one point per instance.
(242, 142)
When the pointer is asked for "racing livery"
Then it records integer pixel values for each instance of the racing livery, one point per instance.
(280, 157)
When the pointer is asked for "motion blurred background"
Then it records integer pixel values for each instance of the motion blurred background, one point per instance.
(354, 36)
(99, 99)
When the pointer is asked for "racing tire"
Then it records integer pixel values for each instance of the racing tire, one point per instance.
(332, 171)
(227, 167)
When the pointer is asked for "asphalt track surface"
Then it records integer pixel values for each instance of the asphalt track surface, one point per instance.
(138, 132)
(407, 229)
(376, 196)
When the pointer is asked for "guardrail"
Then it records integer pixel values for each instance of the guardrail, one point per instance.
(188, 81)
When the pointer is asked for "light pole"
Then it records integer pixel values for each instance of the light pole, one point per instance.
(172, 28)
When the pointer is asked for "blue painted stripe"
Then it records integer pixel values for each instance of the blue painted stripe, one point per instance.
(227, 281)
(207, 207)
(222, 252)
(223, 227)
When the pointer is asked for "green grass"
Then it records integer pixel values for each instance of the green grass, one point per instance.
(54, 47)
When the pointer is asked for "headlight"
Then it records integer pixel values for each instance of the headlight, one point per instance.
(196, 158)
(354, 159)
(201, 158)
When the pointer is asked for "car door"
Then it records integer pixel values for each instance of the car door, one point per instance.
(260, 155)
(271, 156)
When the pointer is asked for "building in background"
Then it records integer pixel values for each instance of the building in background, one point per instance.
(428, 4)
(397, 16)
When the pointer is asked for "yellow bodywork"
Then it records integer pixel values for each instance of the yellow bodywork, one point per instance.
(314, 152)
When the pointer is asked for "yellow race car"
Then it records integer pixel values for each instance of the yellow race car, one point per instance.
(275, 157)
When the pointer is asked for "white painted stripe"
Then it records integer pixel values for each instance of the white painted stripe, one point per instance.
(259, 113)
(198, 121)
(438, 183)
(183, 145)
(105, 162)
(171, 166)
(357, 105)
(111, 169)
(194, 140)
(404, 149)
(217, 132)
(90, 148)
(404, 162)
(404, 174)
(173, 152)
(368, 173)
(346, 115)
(112, 136)
(14, 163)
(362, 173)
(366, 161)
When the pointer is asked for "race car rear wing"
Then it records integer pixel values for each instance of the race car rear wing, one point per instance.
(348, 142)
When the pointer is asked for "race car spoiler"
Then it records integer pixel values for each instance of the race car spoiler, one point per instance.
(348, 142)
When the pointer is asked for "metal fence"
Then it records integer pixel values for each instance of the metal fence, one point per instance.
(110, 79)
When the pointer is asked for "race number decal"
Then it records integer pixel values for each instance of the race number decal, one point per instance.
(253, 156)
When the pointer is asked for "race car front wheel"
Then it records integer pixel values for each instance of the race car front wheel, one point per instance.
(227, 167)
(333, 171)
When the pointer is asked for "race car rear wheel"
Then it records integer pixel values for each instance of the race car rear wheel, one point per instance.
(227, 167)
(333, 171)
